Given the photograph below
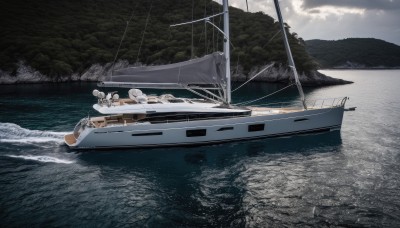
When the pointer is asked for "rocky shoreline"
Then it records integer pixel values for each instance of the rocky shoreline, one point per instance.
(281, 74)
(97, 72)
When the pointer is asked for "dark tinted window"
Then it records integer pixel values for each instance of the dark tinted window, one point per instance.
(256, 127)
(196, 133)
(148, 134)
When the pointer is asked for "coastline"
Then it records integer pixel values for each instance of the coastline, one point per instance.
(276, 74)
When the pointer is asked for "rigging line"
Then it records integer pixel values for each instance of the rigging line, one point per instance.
(249, 102)
(259, 73)
(198, 20)
(211, 94)
(213, 31)
(123, 37)
(237, 66)
(273, 37)
(205, 28)
(227, 38)
(192, 48)
(144, 31)
(199, 94)
(201, 36)
(219, 25)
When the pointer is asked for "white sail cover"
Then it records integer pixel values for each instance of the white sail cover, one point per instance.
(209, 69)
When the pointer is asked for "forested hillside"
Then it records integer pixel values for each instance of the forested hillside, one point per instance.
(65, 36)
(354, 53)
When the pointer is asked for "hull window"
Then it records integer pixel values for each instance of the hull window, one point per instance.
(256, 127)
(196, 133)
(148, 134)
(302, 119)
(225, 129)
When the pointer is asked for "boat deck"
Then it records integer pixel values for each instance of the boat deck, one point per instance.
(70, 139)
(127, 119)
(124, 119)
(259, 111)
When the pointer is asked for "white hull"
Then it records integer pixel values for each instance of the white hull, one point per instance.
(152, 121)
(210, 130)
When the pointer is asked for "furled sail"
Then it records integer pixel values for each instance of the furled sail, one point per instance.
(208, 70)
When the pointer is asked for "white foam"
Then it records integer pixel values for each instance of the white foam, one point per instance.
(31, 140)
(13, 133)
(41, 158)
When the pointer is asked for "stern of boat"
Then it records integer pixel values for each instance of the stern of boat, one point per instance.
(72, 138)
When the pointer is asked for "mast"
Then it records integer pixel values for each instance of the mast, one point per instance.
(227, 52)
(289, 54)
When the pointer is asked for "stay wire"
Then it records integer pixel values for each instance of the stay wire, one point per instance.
(213, 31)
(205, 28)
(272, 37)
(192, 47)
(122, 39)
(252, 101)
(270, 65)
(144, 31)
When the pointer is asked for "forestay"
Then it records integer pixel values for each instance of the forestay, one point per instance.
(208, 70)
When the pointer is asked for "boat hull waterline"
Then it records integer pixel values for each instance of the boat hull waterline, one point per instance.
(210, 131)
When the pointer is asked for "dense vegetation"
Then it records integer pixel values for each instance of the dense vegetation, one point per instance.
(368, 52)
(61, 37)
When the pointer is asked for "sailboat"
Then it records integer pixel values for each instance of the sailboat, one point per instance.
(142, 120)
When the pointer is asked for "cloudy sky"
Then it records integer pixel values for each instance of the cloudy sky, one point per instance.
(335, 19)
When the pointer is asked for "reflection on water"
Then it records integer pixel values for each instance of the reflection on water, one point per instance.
(218, 184)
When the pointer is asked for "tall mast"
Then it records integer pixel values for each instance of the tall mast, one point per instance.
(227, 52)
(289, 54)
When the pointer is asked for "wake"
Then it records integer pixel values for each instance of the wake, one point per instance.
(41, 158)
(13, 133)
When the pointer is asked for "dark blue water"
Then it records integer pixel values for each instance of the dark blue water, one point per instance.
(346, 179)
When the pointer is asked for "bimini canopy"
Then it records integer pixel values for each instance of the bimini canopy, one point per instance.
(208, 70)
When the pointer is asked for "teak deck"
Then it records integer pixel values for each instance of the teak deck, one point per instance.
(70, 139)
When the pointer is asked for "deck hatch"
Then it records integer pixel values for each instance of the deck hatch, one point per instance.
(256, 127)
(196, 133)
(148, 134)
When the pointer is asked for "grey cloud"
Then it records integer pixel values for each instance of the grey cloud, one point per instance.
(314, 11)
(370, 4)
(382, 24)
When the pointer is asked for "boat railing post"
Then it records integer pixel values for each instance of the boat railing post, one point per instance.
(322, 105)
(333, 101)
(343, 101)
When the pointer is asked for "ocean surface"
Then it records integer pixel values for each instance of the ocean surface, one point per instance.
(339, 179)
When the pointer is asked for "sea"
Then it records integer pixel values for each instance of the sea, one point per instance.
(347, 178)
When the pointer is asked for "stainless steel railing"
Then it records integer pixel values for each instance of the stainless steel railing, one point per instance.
(311, 104)
(326, 103)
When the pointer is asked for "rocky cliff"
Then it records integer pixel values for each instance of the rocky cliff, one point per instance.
(97, 72)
